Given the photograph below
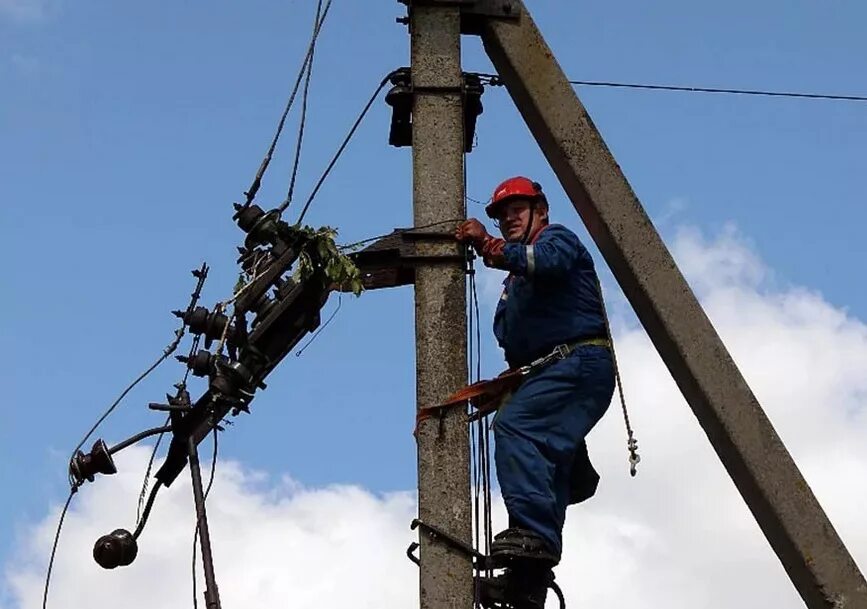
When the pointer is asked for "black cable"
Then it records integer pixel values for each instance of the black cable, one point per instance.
(147, 511)
(350, 246)
(341, 149)
(196, 534)
(194, 348)
(144, 486)
(257, 181)
(54, 547)
(322, 327)
(166, 353)
(622, 85)
(303, 120)
(495, 80)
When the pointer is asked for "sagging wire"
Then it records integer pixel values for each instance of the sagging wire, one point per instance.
(257, 181)
(179, 334)
(147, 510)
(479, 430)
(340, 150)
(196, 534)
(144, 487)
(357, 244)
(322, 327)
(304, 96)
(72, 492)
(201, 274)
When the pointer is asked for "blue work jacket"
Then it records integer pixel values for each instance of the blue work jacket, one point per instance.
(551, 296)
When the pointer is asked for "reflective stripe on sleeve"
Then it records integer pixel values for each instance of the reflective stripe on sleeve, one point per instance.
(531, 261)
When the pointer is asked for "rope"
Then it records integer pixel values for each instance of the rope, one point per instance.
(631, 443)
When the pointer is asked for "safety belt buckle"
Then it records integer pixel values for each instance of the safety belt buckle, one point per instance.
(562, 351)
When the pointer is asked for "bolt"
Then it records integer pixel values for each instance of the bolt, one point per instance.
(183, 359)
(402, 20)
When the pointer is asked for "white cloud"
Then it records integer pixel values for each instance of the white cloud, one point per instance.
(25, 10)
(678, 535)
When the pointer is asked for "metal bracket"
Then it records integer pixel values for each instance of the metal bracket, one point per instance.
(500, 9)
(474, 13)
(480, 561)
(391, 261)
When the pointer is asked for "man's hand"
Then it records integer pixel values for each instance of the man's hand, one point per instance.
(473, 232)
(489, 248)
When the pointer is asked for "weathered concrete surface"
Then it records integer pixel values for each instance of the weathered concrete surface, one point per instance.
(794, 523)
(440, 305)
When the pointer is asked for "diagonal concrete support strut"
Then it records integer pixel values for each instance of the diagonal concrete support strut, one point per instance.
(788, 513)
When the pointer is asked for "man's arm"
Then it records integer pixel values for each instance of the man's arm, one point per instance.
(553, 252)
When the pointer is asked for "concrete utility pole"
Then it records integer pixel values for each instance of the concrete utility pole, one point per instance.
(440, 303)
(788, 513)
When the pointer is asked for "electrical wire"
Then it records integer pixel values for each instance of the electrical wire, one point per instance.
(340, 149)
(140, 525)
(179, 333)
(144, 486)
(357, 244)
(322, 327)
(196, 534)
(303, 120)
(54, 546)
(495, 80)
(257, 181)
(685, 89)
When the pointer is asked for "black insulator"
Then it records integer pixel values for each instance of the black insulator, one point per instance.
(117, 549)
(248, 217)
(223, 384)
(200, 364)
(473, 90)
(399, 98)
(97, 461)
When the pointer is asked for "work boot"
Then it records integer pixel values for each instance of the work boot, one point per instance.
(524, 587)
(521, 544)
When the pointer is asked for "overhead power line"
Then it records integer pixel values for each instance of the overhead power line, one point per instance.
(623, 85)
(495, 80)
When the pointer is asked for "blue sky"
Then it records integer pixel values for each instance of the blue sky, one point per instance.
(127, 130)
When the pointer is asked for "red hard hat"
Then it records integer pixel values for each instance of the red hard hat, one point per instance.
(513, 188)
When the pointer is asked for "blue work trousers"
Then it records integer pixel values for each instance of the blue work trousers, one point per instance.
(538, 431)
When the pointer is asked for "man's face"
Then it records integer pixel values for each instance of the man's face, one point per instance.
(514, 218)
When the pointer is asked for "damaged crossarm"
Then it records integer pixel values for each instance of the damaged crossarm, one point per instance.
(280, 322)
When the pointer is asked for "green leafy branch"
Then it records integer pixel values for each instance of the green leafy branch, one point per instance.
(338, 268)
